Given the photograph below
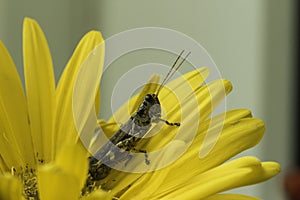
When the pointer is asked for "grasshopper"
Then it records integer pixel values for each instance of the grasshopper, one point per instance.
(130, 133)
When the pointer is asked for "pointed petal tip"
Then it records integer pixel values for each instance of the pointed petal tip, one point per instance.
(28, 20)
(274, 166)
(245, 111)
(257, 127)
(203, 69)
(2, 45)
(228, 85)
(260, 123)
(95, 34)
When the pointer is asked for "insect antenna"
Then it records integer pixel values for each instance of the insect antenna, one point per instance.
(169, 72)
(172, 71)
(178, 66)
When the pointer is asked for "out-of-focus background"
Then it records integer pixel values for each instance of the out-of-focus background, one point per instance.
(252, 42)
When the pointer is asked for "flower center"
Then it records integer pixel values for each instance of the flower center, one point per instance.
(29, 181)
(90, 186)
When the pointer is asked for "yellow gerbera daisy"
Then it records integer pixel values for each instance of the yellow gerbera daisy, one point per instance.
(36, 126)
(28, 140)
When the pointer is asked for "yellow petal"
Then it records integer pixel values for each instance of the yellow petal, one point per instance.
(108, 128)
(230, 197)
(208, 97)
(40, 87)
(15, 139)
(10, 188)
(150, 182)
(237, 173)
(182, 88)
(97, 102)
(55, 183)
(64, 121)
(194, 78)
(85, 88)
(98, 195)
(3, 166)
(65, 178)
(73, 159)
(238, 135)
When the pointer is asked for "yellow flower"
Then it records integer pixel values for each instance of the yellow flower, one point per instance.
(36, 131)
(38, 127)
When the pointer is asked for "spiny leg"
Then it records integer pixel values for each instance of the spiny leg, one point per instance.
(170, 123)
(147, 161)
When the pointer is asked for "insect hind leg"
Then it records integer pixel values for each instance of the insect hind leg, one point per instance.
(170, 123)
(147, 161)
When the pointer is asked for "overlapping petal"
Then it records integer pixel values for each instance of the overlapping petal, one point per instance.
(65, 178)
(10, 188)
(65, 129)
(98, 195)
(40, 88)
(15, 137)
(240, 132)
(230, 197)
(240, 172)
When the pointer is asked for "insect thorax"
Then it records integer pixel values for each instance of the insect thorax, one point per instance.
(149, 110)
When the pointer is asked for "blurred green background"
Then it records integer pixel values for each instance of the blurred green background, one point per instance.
(251, 41)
